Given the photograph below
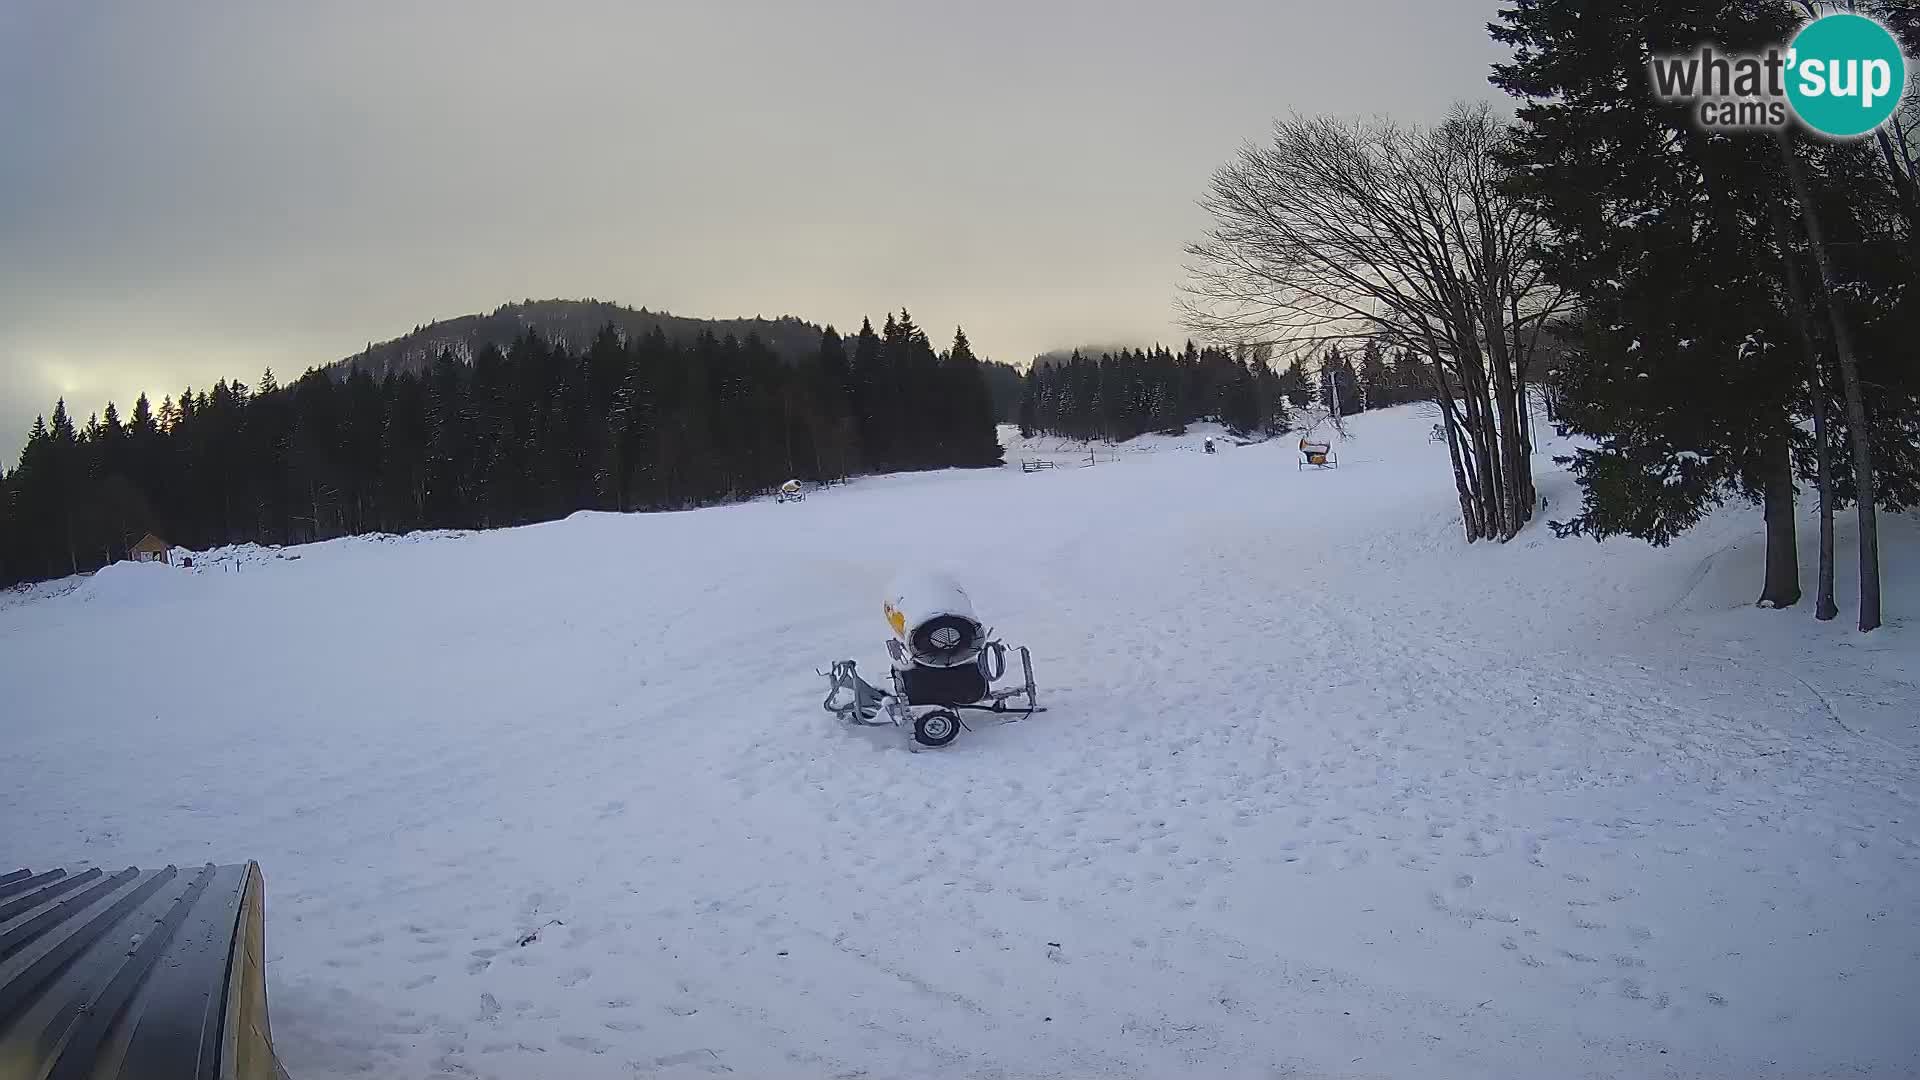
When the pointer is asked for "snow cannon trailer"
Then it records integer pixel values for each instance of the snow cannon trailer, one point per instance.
(943, 660)
(135, 973)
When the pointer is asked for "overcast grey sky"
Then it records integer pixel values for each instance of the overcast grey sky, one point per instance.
(195, 190)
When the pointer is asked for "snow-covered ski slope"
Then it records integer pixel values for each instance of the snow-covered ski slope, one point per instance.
(1322, 791)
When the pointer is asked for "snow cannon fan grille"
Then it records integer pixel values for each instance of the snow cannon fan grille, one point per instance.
(945, 641)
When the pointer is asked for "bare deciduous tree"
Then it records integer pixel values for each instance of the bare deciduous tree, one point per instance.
(1342, 231)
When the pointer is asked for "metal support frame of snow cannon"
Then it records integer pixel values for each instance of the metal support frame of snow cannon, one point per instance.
(929, 723)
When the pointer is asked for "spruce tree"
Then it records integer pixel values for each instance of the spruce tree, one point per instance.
(1681, 374)
(871, 396)
(1032, 388)
(1296, 385)
(975, 444)
(1375, 382)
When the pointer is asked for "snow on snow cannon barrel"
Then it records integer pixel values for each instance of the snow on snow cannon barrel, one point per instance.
(135, 973)
(932, 620)
(943, 657)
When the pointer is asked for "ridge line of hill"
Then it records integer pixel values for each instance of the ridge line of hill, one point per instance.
(571, 323)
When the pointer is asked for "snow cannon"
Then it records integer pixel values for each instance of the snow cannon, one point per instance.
(932, 621)
(944, 660)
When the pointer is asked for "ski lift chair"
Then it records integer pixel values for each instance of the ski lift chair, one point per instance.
(1319, 455)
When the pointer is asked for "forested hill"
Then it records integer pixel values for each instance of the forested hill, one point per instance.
(570, 324)
(573, 324)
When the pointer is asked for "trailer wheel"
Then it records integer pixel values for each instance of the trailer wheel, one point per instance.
(937, 728)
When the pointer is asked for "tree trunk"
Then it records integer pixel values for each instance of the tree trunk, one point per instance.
(1476, 450)
(1469, 520)
(1514, 445)
(1782, 588)
(1485, 442)
(1903, 185)
(1857, 434)
(1824, 607)
(1516, 489)
(1529, 495)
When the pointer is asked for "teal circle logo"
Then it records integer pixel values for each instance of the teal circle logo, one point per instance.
(1845, 75)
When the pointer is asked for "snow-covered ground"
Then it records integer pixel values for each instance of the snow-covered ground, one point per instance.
(1322, 791)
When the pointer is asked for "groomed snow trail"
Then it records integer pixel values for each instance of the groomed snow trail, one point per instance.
(1322, 791)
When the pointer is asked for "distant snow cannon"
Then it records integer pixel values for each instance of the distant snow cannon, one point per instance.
(944, 660)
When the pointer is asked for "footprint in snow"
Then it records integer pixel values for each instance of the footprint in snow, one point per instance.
(585, 1042)
(706, 1060)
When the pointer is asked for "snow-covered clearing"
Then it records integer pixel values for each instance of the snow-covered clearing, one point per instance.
(1322, 790)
